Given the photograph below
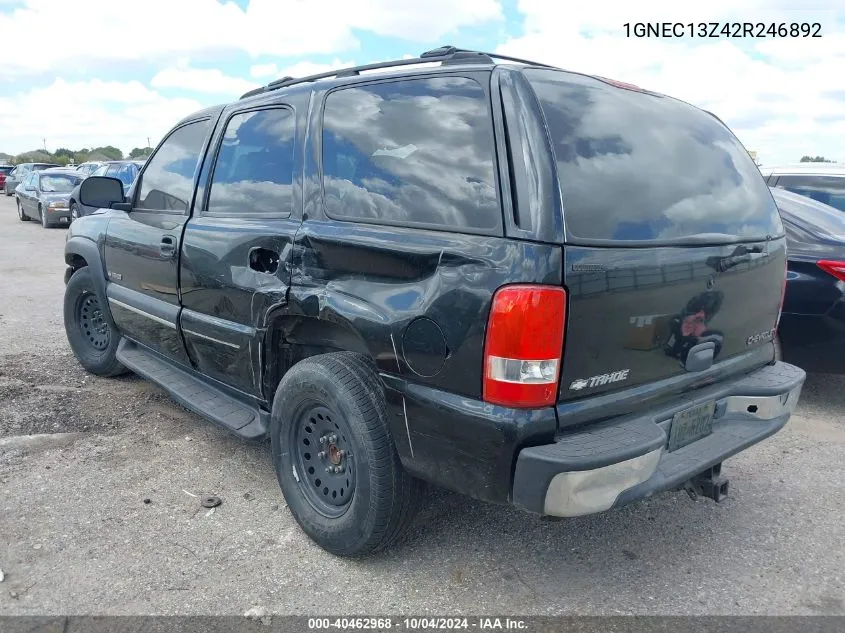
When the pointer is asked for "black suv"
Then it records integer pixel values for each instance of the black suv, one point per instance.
(527, 285)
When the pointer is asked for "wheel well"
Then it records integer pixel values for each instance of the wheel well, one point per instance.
(75, 261)
(291, 339)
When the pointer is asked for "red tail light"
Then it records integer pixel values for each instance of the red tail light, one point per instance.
(837, 269)
(524, 345)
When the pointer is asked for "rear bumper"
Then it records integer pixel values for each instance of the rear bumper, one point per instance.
(58, 215)
(612, 463)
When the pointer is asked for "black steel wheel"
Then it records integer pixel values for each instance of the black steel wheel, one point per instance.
(92, 321)
(325, 459)
(335, 458)
(92, 335)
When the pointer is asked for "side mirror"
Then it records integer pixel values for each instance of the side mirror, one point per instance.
(29, 188)
(101, 192)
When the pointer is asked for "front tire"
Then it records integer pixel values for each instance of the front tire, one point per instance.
(74, 212)
(90, 331)
(335, 459)
(21, 215)
(42, 215)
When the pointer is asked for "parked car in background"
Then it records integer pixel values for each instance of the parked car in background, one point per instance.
(4, 171)
(44, 196)
(811, 333)
(89, 167)
(824, 182)
(19, 174)
(124, 170)
(397, 292)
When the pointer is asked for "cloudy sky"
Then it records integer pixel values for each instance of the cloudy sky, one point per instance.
(101, 72)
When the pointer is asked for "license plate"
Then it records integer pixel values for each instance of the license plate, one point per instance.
(691, 424)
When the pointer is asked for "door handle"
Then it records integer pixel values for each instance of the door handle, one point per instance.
(263, 260)
(168, 245)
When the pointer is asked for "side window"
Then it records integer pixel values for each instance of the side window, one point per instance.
(168, 181)
(253, 174)
(826, 189)
(111, 171)
(417, 152)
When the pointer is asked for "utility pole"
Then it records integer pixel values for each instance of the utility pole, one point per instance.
(45, 144)
(148, 141)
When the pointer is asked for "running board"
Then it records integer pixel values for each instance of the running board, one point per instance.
(245, 421)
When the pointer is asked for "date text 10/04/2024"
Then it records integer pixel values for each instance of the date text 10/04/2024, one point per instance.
(419, 623)
(722, 29)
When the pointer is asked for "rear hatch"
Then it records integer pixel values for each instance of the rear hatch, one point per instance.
(673, 242)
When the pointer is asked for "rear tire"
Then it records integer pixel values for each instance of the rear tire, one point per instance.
(90, 331)
(21, 215)
(369, 503)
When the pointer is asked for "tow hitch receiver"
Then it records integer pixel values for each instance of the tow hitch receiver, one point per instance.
(709, 483)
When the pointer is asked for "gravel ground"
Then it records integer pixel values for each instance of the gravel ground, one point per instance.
(99, 509)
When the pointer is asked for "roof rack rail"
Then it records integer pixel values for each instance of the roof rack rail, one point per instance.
(446, 55)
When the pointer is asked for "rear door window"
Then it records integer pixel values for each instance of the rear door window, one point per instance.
(828, 190)
(253, 174)
(416, 152)
(639, 167)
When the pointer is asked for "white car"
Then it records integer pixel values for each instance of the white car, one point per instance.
(824, 182)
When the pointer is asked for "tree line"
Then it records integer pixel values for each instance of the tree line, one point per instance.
(65, 156)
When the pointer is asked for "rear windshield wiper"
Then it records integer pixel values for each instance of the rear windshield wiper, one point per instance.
(741, 255)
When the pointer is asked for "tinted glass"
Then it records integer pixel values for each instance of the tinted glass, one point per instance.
(5, 170)
(168, 182)
(416, 152)
(112, 170)
(254, 169)
(40, 166)
(826, 189)
(100, 171)
(640, 167)
(58, 183)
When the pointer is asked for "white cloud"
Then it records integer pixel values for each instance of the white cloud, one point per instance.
(299, 69)
(89, 113)
(205, 80)
(783, 97)
(165, 28)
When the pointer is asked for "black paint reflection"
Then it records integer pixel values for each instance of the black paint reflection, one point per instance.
(690, 327)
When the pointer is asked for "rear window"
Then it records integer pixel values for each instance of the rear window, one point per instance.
(638, 167)
(5, 170)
